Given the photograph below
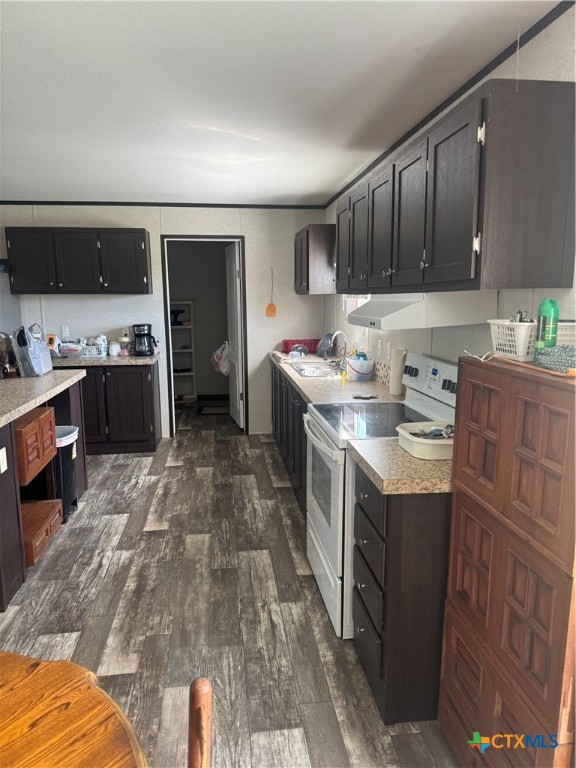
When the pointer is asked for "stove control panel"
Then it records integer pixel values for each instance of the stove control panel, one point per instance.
(435, 378)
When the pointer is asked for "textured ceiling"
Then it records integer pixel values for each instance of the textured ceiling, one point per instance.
(226, 102)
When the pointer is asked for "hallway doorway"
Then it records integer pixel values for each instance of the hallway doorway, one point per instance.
(204, 303)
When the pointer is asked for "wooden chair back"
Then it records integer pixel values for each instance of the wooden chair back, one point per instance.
(200, 723)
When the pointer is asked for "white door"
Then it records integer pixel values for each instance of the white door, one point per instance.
(235, 338)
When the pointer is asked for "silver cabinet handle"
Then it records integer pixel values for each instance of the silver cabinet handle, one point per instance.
(107, 373)
(360, 586)
(60, 285)
(360, 629)
(360, 542)
(105, 285)
(363, 495)
(423, 265)
(50, 283)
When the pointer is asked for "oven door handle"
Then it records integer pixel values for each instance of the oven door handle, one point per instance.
(316, 439)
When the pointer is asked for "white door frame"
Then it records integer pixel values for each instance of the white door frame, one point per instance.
(240, 298)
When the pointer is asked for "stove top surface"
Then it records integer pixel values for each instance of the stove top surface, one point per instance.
(359, 421)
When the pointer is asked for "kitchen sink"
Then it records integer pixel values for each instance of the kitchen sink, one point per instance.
(317, 370)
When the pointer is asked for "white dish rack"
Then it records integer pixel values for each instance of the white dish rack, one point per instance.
(94, 350)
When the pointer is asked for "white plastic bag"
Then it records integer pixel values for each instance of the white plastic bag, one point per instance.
(220, 359)
(32, 351)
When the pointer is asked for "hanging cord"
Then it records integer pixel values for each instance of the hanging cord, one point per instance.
(485, 357)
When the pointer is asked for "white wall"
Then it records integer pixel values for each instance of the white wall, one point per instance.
(549, 56)
(269, 242)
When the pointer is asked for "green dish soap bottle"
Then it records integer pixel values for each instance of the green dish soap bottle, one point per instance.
(546, 325)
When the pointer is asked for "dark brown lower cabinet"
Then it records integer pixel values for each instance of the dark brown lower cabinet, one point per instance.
(400, 573)
(12, 563)
(121, 408)
(288, 408)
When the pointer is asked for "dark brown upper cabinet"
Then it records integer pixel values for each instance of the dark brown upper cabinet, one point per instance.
(77, 262)
(483, 199)
(65, 260)
(343, 245)
(359, 238)
(409, 213)
(126, 261)
(314, 271)
(380, 227)
(452, 235)
(31, 258)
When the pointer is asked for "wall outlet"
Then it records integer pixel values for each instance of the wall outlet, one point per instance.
(379, 347)
(64, 332)
(124, 331)
(388, 350)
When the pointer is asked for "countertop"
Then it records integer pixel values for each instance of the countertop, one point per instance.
(392, 469)
(20, 395)
(328, 390)
(87, 362)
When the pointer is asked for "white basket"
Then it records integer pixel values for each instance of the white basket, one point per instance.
(514, 340)
(96, 350)
(566, 333)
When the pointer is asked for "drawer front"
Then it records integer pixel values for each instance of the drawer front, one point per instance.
(369, 589)
(55, 522)
(31, 454)
(47, 434)
(372, 501)
(369, 542)
(367, 643)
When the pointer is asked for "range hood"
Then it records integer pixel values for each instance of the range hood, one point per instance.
(404, 311)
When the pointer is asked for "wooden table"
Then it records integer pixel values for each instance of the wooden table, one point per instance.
(53, 715)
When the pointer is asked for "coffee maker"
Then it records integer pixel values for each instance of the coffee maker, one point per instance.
(144, 342)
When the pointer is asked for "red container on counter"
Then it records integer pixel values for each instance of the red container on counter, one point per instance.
(310, 344)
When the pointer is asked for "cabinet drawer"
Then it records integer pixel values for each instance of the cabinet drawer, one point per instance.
(369, 590)
(367, 643)
(369, 542)
(40, 521)
(35, 437)
(372, 501)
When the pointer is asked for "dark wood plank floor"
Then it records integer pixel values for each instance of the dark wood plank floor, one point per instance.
(192, 562)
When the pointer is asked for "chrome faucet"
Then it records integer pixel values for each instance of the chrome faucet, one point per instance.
(343, 359)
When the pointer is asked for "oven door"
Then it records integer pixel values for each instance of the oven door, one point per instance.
(325, 517)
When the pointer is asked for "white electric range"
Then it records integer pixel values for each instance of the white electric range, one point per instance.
(430, 396)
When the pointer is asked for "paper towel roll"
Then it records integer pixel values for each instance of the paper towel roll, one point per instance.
(397, 358)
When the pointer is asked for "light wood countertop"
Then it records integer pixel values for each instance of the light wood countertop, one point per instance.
(89, 362)
(20, 395)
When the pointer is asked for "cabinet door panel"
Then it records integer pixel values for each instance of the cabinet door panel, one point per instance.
(94, 405)
(380, 228)
(124, 262)
(301, 262)
(410, 214)
(129, 403)
(342, 245)
(540, 486)
(478, 446)
(532, 614)
(77, 261)
(452, 198)
(474, 563)
(31, 255)
(359, 238)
